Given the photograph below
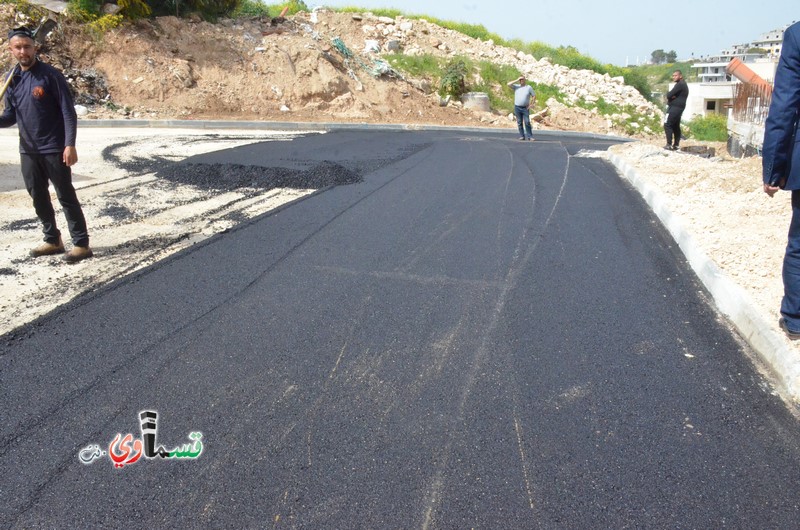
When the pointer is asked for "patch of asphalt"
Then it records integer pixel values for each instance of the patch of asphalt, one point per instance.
(22, 224)
(116, 154)
(117, 212)
(228, 177)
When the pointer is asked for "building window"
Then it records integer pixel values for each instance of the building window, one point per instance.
(711, 105)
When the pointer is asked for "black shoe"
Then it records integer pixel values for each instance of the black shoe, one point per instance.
(676, 148)
(668, 147)
(793, 335)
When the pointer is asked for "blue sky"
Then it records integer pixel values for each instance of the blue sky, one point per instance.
(614, 31)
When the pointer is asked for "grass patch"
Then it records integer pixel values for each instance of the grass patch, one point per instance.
(492, 78)
(481, 76)
(426, 66)
(477, 31)
(378, 12)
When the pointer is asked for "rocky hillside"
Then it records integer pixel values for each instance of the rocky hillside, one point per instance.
(319, 67)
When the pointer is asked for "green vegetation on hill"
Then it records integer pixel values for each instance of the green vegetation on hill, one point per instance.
(256, 8)
(659, 76)
(481, 76)
(90, 10)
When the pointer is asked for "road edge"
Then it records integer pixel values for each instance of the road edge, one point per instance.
(772, 348)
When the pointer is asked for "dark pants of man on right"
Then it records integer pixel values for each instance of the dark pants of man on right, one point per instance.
(790, 305)
(37, 170)
(673, 127)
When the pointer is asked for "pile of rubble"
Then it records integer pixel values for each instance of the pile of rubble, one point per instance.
(418, 37)
(317, 66)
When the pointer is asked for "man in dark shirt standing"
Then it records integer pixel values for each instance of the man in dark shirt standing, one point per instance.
(38, 100)
(676, 101)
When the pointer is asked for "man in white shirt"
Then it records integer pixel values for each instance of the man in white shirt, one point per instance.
(524, 97)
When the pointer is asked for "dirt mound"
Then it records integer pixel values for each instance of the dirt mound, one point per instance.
(313, 67)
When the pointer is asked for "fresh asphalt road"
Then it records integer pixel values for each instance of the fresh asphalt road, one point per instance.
(483, 333)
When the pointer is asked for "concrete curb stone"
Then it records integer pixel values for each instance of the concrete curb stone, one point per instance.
(769, 344)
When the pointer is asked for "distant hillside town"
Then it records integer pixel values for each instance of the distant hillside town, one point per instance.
(737, 83)
(714, 91)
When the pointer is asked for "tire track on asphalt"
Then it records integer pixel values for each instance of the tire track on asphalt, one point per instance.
(8, 441)
(522, 255)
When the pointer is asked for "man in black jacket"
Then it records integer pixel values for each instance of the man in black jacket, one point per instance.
(676, 101)
(38, 100)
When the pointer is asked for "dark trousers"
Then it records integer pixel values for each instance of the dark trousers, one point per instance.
(790, 306)
(37, 171)
(673, 126)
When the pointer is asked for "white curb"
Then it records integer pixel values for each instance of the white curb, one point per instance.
(771, 346)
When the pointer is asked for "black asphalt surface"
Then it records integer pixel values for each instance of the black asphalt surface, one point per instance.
(475, 332)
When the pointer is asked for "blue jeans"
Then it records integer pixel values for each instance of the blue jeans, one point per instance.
(790, 306)
(523, 114)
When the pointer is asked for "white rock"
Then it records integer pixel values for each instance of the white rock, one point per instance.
(80, 110)
(110, 9)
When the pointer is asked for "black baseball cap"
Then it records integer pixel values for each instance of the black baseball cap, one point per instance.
(21, 31)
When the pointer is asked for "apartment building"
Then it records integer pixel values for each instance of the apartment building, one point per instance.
(713, 92)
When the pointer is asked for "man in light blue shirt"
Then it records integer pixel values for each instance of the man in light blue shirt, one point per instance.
(524, 97)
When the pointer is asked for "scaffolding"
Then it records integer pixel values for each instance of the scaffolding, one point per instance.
(751, 102)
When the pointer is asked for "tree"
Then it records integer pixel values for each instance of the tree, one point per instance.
(658, 56)
(661, 57)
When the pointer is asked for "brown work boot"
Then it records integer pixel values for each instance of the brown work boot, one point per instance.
(77, 254)
(48, 249)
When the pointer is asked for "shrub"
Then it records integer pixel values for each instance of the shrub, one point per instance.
(103, 24)
(453, 83)
(711, 128)
(90, 7)
(134, 8)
